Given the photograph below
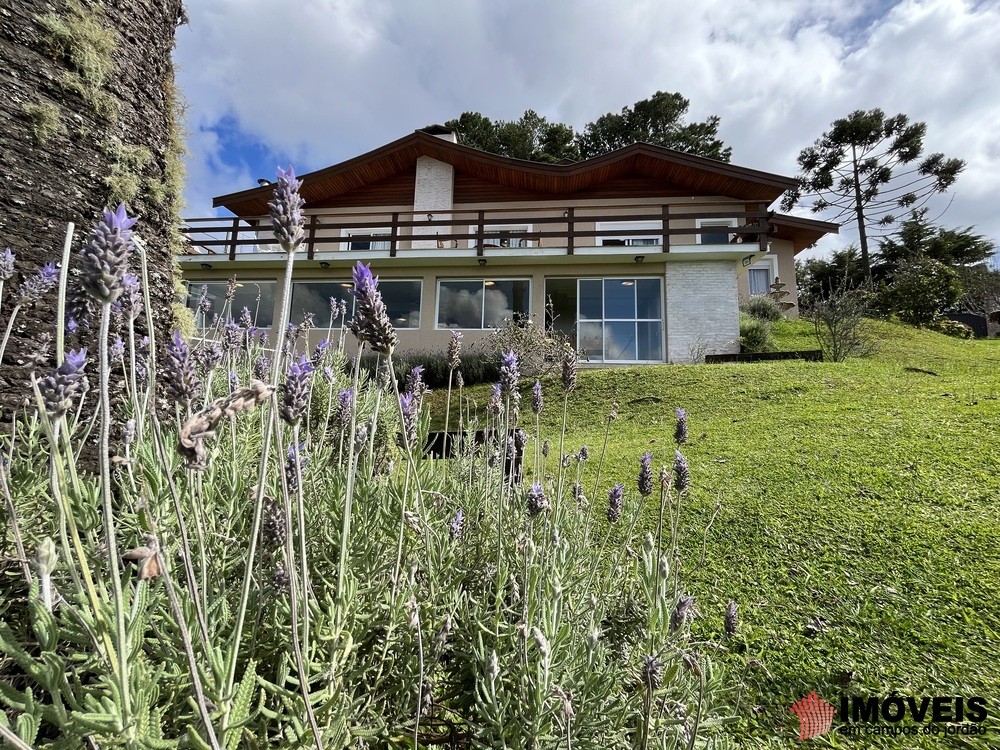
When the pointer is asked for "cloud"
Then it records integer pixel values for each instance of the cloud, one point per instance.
(319, 81)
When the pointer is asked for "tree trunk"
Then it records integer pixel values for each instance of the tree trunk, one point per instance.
(859, 210)
(89, 117)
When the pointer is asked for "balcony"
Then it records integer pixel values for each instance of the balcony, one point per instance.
(548, 234)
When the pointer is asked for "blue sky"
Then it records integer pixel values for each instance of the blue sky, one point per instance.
(314, 82)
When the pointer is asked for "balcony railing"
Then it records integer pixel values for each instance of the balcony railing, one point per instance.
(402, 231)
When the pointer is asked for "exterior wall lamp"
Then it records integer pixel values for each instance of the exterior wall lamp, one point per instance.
(324, 264)
(482, 261)
(639, 258)
(206, 266)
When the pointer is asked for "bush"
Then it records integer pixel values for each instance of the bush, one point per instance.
(920, 290)
(539, 351)
(476, 367)
(763, 308)
(755, 334)
(840, 325)
(951, 328)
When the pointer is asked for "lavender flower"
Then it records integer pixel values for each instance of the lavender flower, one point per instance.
(545, 449)
(262, 368)
(454, 349)
(231, 286)
(207, 356)
(246, 319)
(296, 456)
(328, 374)
(274, 528)
(37, 286)
(408, 405)
(181, 379)
(682, 473)
(117, 350)
(616, 499)
(537, 501)
(371, 320)
(652, 672)
(569, 369)
(132, 298)
(509, 373)
(681, 430)
(584, 453)
(566, 461)
(495, 405)
(520, 439)
(128, 434)
(415, 383)
(645, 480)
(732, 619)
(536, 398)
(459, 380)
(234, 381)
(286, 210)
(295, 391)
(345, 406)
(232, 337)
(6, 264)
(319, 353)
(204, 301)
(457, 525)
(104, 259)
(66, 384)
(681, 613)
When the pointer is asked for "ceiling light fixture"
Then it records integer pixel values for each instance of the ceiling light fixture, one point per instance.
(640, 258)
(482, 261)
(324, 264)
(206, 266)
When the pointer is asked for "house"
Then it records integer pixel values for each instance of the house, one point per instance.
(640, 255)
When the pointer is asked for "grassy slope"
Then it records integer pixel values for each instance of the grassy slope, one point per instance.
(861, 493)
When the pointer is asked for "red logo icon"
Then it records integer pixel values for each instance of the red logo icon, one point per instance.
(815, 716)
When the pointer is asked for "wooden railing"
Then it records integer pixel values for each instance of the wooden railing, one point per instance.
(399, 230)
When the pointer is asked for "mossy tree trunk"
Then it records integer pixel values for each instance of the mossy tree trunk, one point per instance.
(90, 118)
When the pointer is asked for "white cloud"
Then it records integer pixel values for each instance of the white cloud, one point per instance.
(320, 81)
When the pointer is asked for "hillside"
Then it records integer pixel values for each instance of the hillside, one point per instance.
(860, 498)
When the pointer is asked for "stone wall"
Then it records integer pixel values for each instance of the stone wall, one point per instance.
(702, 309)
(77, 136)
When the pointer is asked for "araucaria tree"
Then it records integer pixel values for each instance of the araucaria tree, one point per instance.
(866, 168)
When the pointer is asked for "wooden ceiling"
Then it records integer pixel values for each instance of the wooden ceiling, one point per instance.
(802, 233)
(393, 163)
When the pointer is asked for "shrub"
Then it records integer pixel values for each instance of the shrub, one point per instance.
(920, 290)
(755, 334)
(763, 308)
(538, 350)
(951, 328)
(840, 325)
(304, 578)
(476, 368)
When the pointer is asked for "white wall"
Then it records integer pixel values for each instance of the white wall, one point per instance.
(702, 309)
(433, 193)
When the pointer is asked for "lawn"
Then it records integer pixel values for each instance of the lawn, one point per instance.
(856, 516)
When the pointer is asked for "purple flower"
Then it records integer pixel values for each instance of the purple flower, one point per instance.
(104, 259)
(645, 481)
(454, 350)
(207, 356)
(569, 369)
(37, 286)
(408, 406)
(537, 502)
(319, 353)
(295, 391)
(509, 373)
(232, 337)
(234, 381)
(6, 264)
(584, 453)
(457, 525)
(415, 383)
(371, 320)
(262, 368)
(682, 473)
(616, 499)
(204, 302)
(459, 380)
(117, 350)
(681, 430)
(246, 319)
(181, 379)
(536, 398)
(296, 459)
(328, 374)
(63, 386)
(682, 611)
(495, 405)
(545, 449)
(732, 619)
(345, 406)
(286, 210)
(132, 298)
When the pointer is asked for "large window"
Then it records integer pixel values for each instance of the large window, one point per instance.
(401, 297)
(615, 320)
(481, 303)
(256, 296)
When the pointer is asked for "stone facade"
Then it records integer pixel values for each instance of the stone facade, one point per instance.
(65, 151)
(702, 309)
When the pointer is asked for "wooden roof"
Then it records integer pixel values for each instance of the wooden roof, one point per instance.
(802, 233)
(696, 174)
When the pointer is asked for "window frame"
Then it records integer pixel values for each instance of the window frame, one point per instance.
(496, 228)
(348, 284)
(373, 232)
(699, 223)
(194, 292)
(768, 264)
(655, 226)
(482, 313)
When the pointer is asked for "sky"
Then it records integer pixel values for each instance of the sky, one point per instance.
(311, 83)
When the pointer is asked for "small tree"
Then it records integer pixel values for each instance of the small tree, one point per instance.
(980, 290)
(840, 324)
(818, 278)
(918, 237)
(920, 290)
(865, 168)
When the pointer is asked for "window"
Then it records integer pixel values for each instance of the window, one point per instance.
(481, 303)
(760, 281)
(502, 235)
(256, 296)
(367, 244)
(401, 297)
(715, 237)
(615, 319)
(606, 239)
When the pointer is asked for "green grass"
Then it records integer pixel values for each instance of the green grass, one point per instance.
(862, 493)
